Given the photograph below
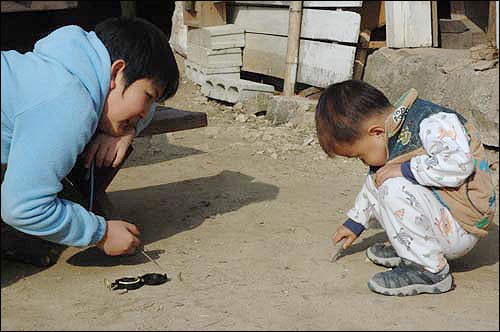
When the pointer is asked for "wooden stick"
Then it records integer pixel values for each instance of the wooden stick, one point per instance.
(293, 42)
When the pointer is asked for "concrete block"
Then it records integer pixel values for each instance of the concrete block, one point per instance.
(218, 37)
(234, 90)
(205, 57)
(199, 74)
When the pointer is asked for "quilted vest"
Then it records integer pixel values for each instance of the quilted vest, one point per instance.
(473, 203)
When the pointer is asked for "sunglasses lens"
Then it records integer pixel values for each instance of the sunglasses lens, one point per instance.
(154, 279)
(128, 283)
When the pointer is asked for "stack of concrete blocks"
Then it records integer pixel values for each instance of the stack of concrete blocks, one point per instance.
(214, 60)
(214, 51)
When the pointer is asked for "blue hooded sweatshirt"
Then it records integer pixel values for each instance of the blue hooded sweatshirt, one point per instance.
(52, 99)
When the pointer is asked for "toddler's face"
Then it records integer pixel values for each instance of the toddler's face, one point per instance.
(370, 149)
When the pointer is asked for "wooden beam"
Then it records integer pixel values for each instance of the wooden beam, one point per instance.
(377, 44)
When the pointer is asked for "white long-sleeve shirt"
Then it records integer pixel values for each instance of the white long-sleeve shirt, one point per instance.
(447, 164)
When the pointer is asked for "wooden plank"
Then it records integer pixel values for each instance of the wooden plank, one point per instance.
(320, 63)
(26, 6)
(332, 4)
(408, 24)
(306, 4)
(377, 44)
(168, 120)
(260, 3)
(331, 25)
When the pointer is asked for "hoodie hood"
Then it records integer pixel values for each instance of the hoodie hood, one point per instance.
(83, 55)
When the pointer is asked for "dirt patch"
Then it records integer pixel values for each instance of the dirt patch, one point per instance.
(240, 215)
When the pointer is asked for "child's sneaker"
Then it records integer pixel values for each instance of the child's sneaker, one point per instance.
(384, 255)
(411, 279)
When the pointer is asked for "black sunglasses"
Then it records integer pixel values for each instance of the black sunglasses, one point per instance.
(130, 283)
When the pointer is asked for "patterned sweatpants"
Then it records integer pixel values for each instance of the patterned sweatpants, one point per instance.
(418, 226)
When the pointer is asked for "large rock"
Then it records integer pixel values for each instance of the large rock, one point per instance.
(445, 77)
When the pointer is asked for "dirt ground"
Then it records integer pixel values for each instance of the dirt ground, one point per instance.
(240, 214)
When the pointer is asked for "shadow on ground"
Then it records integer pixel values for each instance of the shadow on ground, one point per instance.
(165, 210)
(156, 149)
(485, 253)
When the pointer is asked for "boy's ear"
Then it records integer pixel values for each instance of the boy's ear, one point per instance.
(116, 68)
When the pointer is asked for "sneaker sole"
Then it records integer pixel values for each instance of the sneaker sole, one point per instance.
(441, 287)
(387, 262)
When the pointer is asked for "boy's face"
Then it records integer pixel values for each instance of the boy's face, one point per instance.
(370, 148)
(124, 108)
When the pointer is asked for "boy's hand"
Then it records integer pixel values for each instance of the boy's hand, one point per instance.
(387, 172)
(120, 238)
(108, 150)
(344, 232)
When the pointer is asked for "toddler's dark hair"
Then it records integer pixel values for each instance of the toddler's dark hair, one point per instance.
(341, 110)
(145, 49)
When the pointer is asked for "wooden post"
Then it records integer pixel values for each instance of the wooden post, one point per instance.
(293, 43)
(372, 17)
(492, 22)
(435, 24)
(361, 54)
(128, 8)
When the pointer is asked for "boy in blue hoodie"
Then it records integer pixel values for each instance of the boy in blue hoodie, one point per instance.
(77, 94)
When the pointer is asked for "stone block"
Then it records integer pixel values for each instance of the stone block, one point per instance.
(199, 74)
(205, 57)
(218, 37)
(234, 90)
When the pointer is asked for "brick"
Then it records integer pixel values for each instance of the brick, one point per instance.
(199, 74)
(218, 37)
(234, 90)
(205, 57)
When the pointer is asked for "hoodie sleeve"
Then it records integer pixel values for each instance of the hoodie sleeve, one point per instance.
(448, 161)
(46, 142)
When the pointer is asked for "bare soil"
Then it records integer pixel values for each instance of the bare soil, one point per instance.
(240, 214)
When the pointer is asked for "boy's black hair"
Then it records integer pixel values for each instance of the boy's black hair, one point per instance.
(144, 48)
(342, 109)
